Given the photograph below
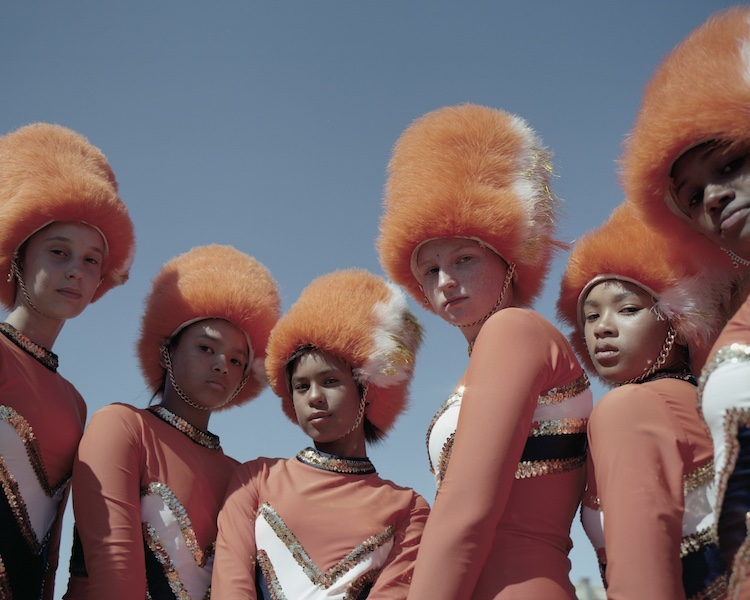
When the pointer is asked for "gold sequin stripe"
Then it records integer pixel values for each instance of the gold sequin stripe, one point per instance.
(5, 591)
(311, 570)
(454, 397)
(170, 572)
(741, 563)
(445, 456)
(700, 477)
(204, 438)
(695, 541)
(733, 420)
(717, 589)
(18, 507)
(186, 526)
(558, 427)
(345, 466)
(537, 468)
(733, 354)
(33, 450)
(560, 394)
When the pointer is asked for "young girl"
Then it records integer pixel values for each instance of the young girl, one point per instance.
(65, 240)
(324, 524)
(148, 483)
(687, 167)
(468, 229)
(638, 315)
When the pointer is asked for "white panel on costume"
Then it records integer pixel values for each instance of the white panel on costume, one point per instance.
(41, 508)
(593, 524)
(194, 579)
(295, 583)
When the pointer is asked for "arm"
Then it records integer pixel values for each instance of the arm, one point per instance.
(394, 579)
(506, 374)
(639, 475)
(234, 562)
(106, 503)
(54, 549)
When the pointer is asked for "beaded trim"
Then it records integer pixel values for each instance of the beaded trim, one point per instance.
(740, 566)
(701, 476)
(454, 397)
(560, 394)
(204, 438)
(558, 427)
(328, 462)
(321, 579)
(46, 357)
(554, 466)
(695, 541)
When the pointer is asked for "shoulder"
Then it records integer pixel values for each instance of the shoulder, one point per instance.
(117, 415)
(259, 467)
(403, 496)
(627, 408)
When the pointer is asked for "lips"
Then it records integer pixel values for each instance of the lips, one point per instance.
(450, 302)
(215, 383)
(731, 217)
(318, 416)
(605, 352)
(72, 293)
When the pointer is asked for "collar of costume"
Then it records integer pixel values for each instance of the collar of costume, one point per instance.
(684, 375)
(204, 438)
(336, 464)
(44, 356)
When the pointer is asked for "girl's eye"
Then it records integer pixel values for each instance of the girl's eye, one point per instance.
(695, 199)
(733, 165)
(300, 387)
(238, 362)
(431, 271)
(331, 381)
(592, 317)
(205, 348)
(630, 309)
(92, 260)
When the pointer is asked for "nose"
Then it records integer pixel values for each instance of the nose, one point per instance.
(446, 280)
(604, 326)
(716, 196)
(75, 269)
(221, 364)
(315, 395)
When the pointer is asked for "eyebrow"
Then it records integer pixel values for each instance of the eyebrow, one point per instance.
(215, 338)
(618, 298)
(703, 156)
(457, 250)
(323, 372)
(62, 238)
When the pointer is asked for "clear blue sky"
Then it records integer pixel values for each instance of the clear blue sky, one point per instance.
(268, 126)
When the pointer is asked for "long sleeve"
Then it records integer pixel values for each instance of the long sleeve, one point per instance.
(508, 370)
(234, 562)
(639, 476)
(106, 502)
(395, 578)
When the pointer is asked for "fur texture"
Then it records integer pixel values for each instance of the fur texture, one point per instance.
(210, 282)
(699, 93)
(50, 173)
(626, 248)
(475, 172)
(361, 319)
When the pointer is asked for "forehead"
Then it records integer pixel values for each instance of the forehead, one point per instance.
(438, 247)
(696, 155)
(219, 330)
(317, 361)
(77, 233)
(612, 290)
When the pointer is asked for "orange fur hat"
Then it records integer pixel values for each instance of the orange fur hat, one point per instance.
(50, 173)
(210, 282)
(361, 319)
(624, 248)
(699, 93)
(473, 172)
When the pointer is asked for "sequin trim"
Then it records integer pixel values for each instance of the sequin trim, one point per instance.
(695, 541)
(717, 589)
(445, 456)
(33, 450)
(311, 570)
(733, 353)
(327, 462)
(452, 399)
(4, 583)
(170, 572)
(591, 500)
(204, 438)
(741, 564)
(46, 357)
(700, 477)
(536, 468)
(180, 514)
(559, 394)
(558, 427)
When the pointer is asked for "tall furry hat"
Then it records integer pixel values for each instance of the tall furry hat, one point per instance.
(624, 248)
(473, 172)
(699, 93)
(50, 173)
(210, 282)
(361, 319)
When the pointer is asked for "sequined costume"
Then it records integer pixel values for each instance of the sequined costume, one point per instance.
(316, 526)
(519, 444)
(652, 457)
(42, 417)
(147, 490)
(724, 397)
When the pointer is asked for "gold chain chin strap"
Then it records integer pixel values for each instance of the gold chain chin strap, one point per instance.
(183, 396)
(660, 360)
(508, 278)
(361, 413)
(15, 271)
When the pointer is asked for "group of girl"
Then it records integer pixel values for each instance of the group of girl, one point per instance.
(661, 464)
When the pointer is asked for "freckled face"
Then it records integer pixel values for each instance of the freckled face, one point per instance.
(461, 279)
(712, 190)
(326, 401)
(623, 335)
(61, 266)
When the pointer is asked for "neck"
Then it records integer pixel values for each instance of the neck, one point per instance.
(196, 417)
(351, 445)
(38, 328)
